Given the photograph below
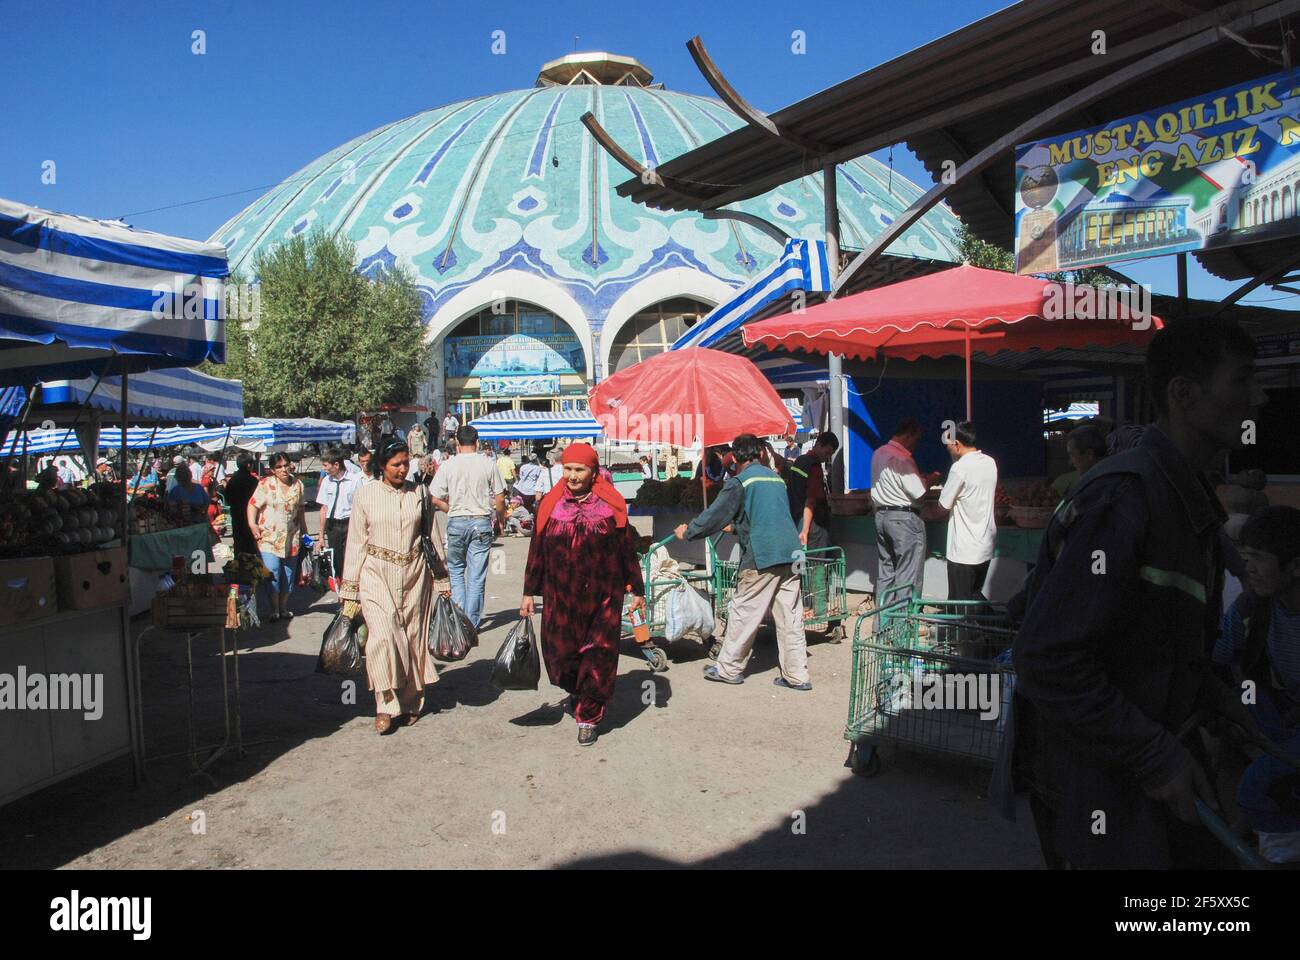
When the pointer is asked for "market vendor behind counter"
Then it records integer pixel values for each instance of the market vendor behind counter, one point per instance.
(1014, 550)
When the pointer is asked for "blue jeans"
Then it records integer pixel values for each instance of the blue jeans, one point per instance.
(1268, 792)
(469, 540)
(283, 571)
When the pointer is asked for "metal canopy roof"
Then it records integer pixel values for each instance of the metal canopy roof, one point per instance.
(955, 96)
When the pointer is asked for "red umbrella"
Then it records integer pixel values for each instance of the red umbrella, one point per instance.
(684, 397)
(950, 313)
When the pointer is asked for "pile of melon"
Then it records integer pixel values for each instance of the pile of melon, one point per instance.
(70, 520)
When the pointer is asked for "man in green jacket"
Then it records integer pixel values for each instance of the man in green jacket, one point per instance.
(754, 503)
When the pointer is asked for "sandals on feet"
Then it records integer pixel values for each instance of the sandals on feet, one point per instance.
(383, 723)
(783, 682)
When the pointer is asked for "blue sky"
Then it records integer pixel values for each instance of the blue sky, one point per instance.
(135, 121)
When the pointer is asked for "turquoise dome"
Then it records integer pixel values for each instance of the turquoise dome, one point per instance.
(509, 195)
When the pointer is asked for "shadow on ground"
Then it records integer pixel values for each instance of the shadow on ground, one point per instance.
(862, 824)
(60, 823)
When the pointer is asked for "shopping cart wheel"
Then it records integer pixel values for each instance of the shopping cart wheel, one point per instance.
(864, 759)
(657, 659)
(714, 649)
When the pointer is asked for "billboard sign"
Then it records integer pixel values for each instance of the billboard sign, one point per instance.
(1211, 171)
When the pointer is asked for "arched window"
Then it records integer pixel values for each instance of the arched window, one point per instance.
(1287, 210)
(653, 330)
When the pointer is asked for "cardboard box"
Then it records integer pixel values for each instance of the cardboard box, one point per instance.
(27, 590)
(93, 579)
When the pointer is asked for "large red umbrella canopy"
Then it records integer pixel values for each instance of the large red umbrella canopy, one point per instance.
(682, 397)
(931, 316)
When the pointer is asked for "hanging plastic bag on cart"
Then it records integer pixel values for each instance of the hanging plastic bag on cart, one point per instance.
(451, 634)
(339, 651)
(687, 613)
(518, 664)
(324, 571)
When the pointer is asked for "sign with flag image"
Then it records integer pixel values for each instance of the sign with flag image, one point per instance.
(1215, 170)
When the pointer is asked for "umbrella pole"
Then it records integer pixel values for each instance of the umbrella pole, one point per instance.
(968, 410)
(121, 458)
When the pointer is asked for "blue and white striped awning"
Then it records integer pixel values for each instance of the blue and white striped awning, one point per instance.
(62, 440)
(803, 266)
(76, 292)
(179, 395)
(535, 424)
(785, 372)
(257, 433)
(1079, 410)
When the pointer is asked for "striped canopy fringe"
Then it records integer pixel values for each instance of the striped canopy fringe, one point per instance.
(535, 424)
(101, 293)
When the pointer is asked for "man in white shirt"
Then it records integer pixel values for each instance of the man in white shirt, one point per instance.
(550, 475)
(340, 481)
(968, 496)
(526, 484)
(449, 426)
(470, 489)
(897, 488)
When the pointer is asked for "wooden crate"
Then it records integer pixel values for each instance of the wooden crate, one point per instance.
(189, 612)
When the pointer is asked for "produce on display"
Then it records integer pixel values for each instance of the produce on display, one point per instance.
(150, 513)
(681, 492)
(1033, 503)
(57, 522)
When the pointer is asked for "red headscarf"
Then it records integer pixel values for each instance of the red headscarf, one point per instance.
(584, 454)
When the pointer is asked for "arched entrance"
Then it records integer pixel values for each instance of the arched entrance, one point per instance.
(513, 355)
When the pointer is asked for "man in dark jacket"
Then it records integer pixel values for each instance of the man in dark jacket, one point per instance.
(754, 504)
(1112, 659)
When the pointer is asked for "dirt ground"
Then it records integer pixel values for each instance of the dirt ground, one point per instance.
(685, 773)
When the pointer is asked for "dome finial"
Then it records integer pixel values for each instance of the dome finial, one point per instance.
(597, 67)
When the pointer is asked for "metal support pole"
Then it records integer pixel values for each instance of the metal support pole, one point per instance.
(1182, 285)
(834, 361)
(969, 416)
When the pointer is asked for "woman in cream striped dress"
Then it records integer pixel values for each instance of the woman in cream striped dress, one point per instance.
(387, 579)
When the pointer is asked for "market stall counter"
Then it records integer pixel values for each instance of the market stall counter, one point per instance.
(1014, 551)
(73, 675)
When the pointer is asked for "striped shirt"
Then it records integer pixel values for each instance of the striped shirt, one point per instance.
(1283, 643)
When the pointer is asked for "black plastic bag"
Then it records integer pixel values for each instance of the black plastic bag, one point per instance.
(451, 635)
(518, 665)
(339, 651)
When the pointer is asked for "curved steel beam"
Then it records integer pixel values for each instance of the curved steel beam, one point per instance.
(741, 107)
(1278, 271)
(631, 164)
(1029, 128)
(758, 223)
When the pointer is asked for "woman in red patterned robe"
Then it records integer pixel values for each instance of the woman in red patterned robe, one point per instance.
(582, 562)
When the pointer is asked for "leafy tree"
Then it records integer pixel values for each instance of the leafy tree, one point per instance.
(981, 253)
(329, 342)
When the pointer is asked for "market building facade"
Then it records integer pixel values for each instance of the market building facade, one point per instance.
(537, 278)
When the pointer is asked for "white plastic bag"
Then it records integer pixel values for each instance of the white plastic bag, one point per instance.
(687, 613)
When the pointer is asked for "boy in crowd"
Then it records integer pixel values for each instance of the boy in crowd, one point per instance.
(1261, 643)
